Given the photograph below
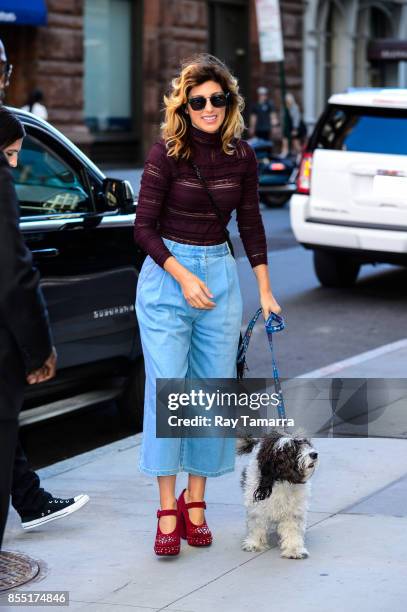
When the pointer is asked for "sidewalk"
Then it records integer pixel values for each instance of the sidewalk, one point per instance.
(357, 535)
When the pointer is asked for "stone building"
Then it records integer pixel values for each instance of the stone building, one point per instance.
(104, 65)
(50, 57)
(352, 43)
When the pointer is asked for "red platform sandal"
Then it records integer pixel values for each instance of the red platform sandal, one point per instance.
(196, 535)
(167, 543)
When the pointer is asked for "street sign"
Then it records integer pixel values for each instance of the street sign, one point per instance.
(269, 30)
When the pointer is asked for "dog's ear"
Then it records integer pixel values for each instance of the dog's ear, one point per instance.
(267, 467)
(267, 480)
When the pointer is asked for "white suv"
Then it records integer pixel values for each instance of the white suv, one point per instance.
(351, 202)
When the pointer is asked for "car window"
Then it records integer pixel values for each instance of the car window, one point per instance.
(45, 184)
(364, 130)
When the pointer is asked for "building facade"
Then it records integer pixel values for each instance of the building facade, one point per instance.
(104, 65)
(351, 43)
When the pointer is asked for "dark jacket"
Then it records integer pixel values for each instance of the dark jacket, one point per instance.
(24, 326)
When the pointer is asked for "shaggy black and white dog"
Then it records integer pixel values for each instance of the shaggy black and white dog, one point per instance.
(276, 489)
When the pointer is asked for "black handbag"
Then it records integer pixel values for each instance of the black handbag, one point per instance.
(241, 365)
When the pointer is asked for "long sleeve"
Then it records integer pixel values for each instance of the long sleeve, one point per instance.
(22, 307)
(295, 116)
(249, 221)
(155, 183)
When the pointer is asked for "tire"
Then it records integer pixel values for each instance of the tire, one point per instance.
(334, 269)
(275, 200)
(131, 402)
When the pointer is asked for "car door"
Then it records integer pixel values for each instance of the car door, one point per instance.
(87, 261)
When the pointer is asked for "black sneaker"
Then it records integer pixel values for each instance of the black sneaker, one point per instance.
(54, 509)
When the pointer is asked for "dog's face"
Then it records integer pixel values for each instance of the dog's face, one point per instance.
(284, 458)
(307, 458)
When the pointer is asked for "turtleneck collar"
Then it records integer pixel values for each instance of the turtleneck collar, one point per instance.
(205, 138)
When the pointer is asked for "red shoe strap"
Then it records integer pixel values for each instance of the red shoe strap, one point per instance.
(196, 504)
(161, 513)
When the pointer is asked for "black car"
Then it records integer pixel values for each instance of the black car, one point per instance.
(79, 227)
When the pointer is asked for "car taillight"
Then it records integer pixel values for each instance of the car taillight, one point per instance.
(304, 174)
(277, 166)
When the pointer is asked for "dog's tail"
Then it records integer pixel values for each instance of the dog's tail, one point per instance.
(245, 445)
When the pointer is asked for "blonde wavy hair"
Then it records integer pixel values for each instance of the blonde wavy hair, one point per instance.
(176, 126)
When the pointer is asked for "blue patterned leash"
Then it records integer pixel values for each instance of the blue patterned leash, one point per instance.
(274, 323)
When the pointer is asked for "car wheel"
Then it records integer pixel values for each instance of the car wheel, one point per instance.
(275, 200)
(335, 270)
(131, 402)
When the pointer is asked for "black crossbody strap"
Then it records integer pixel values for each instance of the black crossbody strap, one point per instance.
(240, 365)
(215, 206)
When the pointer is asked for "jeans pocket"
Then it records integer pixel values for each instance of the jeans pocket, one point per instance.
(148, 266)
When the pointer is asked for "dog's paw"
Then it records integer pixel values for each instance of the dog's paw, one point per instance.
(295, 553)
(253, 545)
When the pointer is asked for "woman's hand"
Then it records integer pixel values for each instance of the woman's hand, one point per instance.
(196, 292)
(269, 304)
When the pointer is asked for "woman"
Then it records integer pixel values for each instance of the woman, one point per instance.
(294, 129)
(188, 304)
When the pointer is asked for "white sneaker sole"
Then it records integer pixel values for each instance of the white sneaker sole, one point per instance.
(80, 501)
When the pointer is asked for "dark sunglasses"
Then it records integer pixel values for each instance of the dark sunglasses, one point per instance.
(218, 100)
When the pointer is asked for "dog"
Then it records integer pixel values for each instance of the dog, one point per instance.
(276, 489)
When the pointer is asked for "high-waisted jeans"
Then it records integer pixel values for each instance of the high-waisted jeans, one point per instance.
(180, 341)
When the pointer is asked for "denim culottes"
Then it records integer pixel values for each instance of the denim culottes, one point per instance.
(180, 341)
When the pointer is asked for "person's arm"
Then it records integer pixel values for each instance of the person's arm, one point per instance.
(252, 123)
(295, 118)
(43, 113)
(251, 230)
(274, 119)
(155, 184)
(22, 307)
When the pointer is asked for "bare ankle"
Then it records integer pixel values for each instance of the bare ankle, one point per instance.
(169, 504)
(189, 497)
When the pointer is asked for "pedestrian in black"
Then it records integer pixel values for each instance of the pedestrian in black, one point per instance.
(263, 116)
(34, 505)
(26, 351)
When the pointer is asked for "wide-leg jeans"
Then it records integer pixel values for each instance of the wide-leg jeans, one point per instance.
(180, 341)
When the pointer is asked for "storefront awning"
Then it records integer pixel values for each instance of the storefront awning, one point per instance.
(23, 12)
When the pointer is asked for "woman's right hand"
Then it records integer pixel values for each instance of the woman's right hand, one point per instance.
(196, 292)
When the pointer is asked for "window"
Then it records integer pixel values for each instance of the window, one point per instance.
(108, 54)
(45, 184)
(364, 130)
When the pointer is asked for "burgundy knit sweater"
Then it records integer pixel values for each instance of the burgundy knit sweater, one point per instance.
(173, 203)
